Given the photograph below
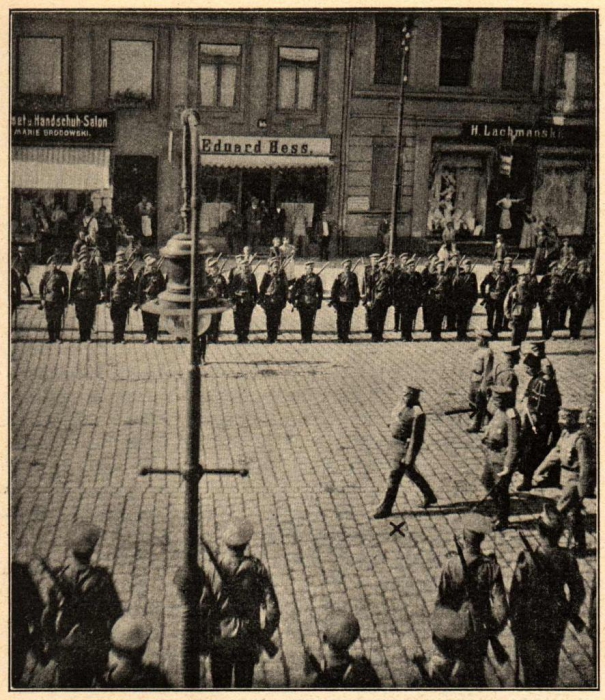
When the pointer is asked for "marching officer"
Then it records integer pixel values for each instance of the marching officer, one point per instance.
(273, 296)
(369, 272)
(125, 665)
(501, 442)
(216, 287)
(552, 295)
(518, 308)
(574, 454)
(149, 284)
(339, 669)
(344, 297)
(408, 422)
(493, 290)
(306, 295)
(581, 289)
(437, 291)
(465, 294)
(470, 611)
(120, 295)
(481, 372)
(243, 292)
(378, 298)
(54, 297)
(541, 405)
(83, 606)
(539, 606)
(85, 294)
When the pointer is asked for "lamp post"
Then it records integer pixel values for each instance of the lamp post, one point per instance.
(182, 306)
(405, 45)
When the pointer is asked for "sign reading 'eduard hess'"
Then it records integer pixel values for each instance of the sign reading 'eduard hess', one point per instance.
(31, 128)
(263, 146)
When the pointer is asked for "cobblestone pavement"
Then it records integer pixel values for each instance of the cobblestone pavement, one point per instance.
(309, 422)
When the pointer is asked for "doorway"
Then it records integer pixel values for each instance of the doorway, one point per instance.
(133, 178)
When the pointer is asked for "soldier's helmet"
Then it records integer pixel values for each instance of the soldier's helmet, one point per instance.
(84, 537)
(130, 633)
(341, 629)
(238, 533)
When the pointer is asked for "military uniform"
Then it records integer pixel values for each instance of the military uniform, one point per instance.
(85, 294)
(120, 295)
(273, 295)
(501, 442)
(15, 291)
(494, 287)
(369, 272)
(378, 298)
(504, 374)
(54, 295)
(581, 291)
(243, 292)
(518, 308)
(149, 283)
(306, 296)
(21, 265)
(407, 295)
(552, 295)
(465, 295)
(215, 287)
(437, 293)
(344, 297)
(481, 371)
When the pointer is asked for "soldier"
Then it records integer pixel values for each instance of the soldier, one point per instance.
(581, 289)
(379, 296)
(273, 296)
(501, 443)
(306, 295)
(21, 265)
(216, 287)
(508, 269)
(83, 606)
(452, 272)
(149, 284)
(369, 272)
(546, 250)
(539, 606)
(552, 293)
(437, 291)
(519, 308)
(465, 295)
(120, 295)
(125, 666)
(54, 297)
(243, 292)
(25, 615)
(411, 298)
(397, 272)
(344, 297)
(470, 611)
(239, 601)
(541, 403)
(339, 668)
(538, 348)
(481, 372)
(575, 454)
(493, 291)
(504, 374)
(408, 422)
(85, 294)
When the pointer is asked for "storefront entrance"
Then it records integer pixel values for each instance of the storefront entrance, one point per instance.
(133, 178)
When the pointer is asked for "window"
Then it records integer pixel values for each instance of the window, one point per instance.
(457, 50)
(40, 66)
(383, 168)
(387, 62)
(219, 67)
(131, 74)
(519, 56)
(297, 78)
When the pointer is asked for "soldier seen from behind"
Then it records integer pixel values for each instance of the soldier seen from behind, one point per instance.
(547, 592)
(306, 296)
(83, 606)
(273, 295)
(120, 295)
(149, 284)
(344, 297)
(54, 297)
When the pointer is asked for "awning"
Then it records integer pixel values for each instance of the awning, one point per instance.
(224, 160)
(56, 168)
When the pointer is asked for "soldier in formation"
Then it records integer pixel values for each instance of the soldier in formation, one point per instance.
(407, 297)
(273, 296)
(464, 297)
(581, 288)
(378, 296)
(149, 284)
(120, 295)
(437, 292)
(243, 292)
(493, 290)
(216, 287)
(344, 298)
(54, 297)
(306, 296)
(85, 293)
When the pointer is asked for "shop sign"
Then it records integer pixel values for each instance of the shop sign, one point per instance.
(534, 133)
(264, 146)
(75, 128)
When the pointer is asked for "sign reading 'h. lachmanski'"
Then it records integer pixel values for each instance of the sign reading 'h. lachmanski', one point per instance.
(31, 128)
(264, 146)
(537, 133)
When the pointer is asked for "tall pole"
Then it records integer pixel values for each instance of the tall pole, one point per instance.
(405, 37)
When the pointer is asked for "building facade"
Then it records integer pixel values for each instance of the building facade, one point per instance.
(300, 110)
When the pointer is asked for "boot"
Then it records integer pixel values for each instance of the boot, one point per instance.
(422, 484)
(385, 509)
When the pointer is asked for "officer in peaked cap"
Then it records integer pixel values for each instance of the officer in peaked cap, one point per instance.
(85, 293)
(339, 669)
(125, 666)
(54, 296)
(344, 297)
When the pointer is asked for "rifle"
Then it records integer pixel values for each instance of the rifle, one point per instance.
(574, 618)
(323, 268)
(472, 410)
(265, 641)
(500, 653)
(354, 266)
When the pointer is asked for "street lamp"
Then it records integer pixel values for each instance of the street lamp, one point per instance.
(406, 35)
(180, 304)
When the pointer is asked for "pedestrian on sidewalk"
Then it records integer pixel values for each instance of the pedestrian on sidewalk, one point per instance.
(408, 422)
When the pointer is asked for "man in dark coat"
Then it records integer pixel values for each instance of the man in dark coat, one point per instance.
(518, 308)
(22, 267)
(149, 284)
(306, 295)
(344, 297)
(465, 295)
(215, 287)
(552, 295)
(437, 293)
(243, 292)
(369, 272)
(378, 298)
(120, 295)
(273, 295)
(85, 293)
(493, 290)
(581, 293)
(54, 297)
(408, 293)
(26, 614)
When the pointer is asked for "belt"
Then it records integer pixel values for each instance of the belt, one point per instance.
(573, 470)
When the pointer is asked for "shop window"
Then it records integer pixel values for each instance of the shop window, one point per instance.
(457, 51)
(519, 57)
(383, 168)
(387, 62)
(40, 65)
(297, 78)
(131, 71)
(219, 69)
